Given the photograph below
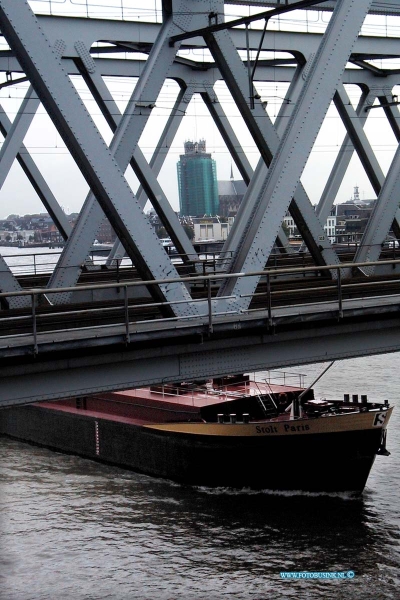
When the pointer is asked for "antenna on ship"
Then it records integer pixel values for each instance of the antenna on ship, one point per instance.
(295, 408)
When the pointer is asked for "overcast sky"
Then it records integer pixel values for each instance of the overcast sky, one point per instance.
(48, 150)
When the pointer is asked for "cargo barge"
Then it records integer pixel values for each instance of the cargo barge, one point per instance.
(227, 432)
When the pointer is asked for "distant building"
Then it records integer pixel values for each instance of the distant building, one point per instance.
(211, 229)
(21, 237)
(330, 227)
(231, 194)
(290, 226)
(346, 222)
(352, 218)
(106, 234)
(197, 181)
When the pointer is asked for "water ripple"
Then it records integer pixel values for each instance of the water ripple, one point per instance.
(73, 529)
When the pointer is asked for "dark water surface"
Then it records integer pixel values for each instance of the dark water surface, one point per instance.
(75, 529)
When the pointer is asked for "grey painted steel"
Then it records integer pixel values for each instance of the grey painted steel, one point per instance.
(91, 215)
(267, 140)
(72, 29)
(123, 146)
(95, 160)
(157, 160)
(239, 156)
(378, 7)
(13, 142)
(342, 161)
(13, 148)
(118, 63)
(246, 208)
(288, 164)
(294, 43)
(216, 24)
(289, 334)
(72, 40)
(189, 72)
(80, 26)
(359, 139)
(381, 220)
(86, 145)
(371, 166)
(89, 31)
(8, 283)
(142, 169)
(81, 375)
(37, 181)
(167, 136)
(228, 134)
(304, 216)
(392, 114)
(9, 150)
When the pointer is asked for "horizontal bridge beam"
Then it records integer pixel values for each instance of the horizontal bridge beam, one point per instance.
(378, 7)
(68, 377)
(91, 31)
(266, 15)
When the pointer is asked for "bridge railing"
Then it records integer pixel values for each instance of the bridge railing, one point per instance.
(41, 263)
(205, 262)
(29, 321)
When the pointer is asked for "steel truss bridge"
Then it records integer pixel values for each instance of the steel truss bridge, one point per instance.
(169, 320)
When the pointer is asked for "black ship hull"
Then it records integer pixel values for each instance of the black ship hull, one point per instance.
(266, 458)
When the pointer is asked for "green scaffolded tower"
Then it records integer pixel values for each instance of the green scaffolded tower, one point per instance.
(197, 179)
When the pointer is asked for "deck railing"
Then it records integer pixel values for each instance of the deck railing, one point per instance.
(209, 316)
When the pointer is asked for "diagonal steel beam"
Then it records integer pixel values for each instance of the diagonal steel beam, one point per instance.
(8, 283)
(300, 208)
(362, 146)
(143, 171)
(239, 156)
(12, 144)
(266, 15)
(359, 138)
(13, 148)
(296, 144)
(384, 213)
(55, 90)
(237, 153)
(174, 121)
(266, 138)
(342, 160)
(37, 181)
(256, 181)
(392, 114)
(17, 132)
(228, 134)
(123, 146)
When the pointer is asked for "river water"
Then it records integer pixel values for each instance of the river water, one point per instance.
(72, 529)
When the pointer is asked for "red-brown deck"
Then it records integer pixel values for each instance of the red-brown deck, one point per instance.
(144, 405)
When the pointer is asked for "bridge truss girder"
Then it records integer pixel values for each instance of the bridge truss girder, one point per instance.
(49, 48)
